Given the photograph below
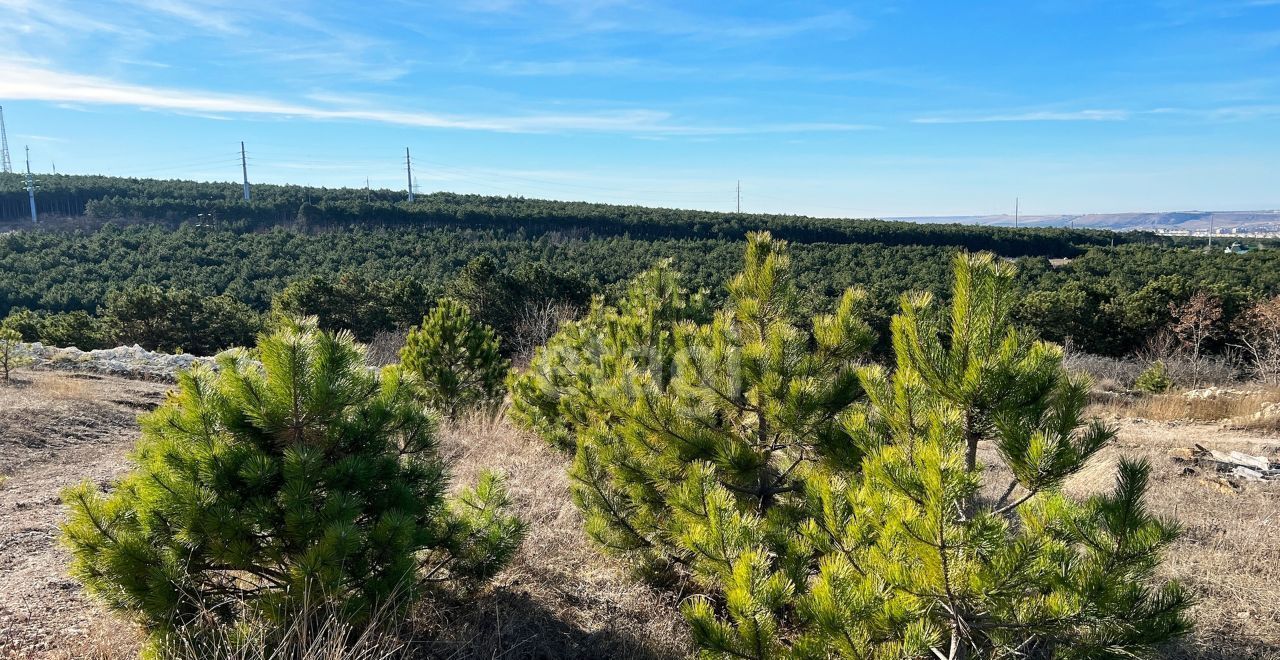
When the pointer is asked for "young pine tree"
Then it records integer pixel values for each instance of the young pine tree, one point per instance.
(11, 355)
(667, 411)
(559, 392)
(458, 362)
(831, 509)
(290, 475)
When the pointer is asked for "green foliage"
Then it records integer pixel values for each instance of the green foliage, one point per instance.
(62, 329)
(25, 322)
(833, 509)
(75, 328)
(263, 487)
(362, 306)
(457, 361)
(396, 258)
(558, 393)
(499, 298)
(1154, 379)
(179, 320)
(11, 356)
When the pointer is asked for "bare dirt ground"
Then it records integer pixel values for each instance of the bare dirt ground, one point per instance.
(560, 598)
(55, 431)
(1229, 551)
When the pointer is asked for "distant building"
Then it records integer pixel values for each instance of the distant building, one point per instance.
(1236, 248)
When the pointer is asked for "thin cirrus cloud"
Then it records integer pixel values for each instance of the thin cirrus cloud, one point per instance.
(22, 80)
(1078, 115)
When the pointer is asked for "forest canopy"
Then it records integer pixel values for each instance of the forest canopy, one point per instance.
(370, 261)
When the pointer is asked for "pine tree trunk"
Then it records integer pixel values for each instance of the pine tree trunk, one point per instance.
(971, 437)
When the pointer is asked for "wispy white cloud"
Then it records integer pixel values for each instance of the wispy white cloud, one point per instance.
(1035, 116)
(40, 138)
(654, 18)
(1224, 113)
(28, 80)
(204, 15)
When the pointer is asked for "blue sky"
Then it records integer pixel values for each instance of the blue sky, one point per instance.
(889, 108)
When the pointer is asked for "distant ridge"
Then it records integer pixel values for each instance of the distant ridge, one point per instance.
(1193, 221)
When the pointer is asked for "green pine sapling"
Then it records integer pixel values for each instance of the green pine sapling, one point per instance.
(290, 474)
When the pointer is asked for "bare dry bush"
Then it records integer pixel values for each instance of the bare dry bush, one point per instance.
(1107, 373)
(1258, 330)
(385, 348)
(536, 323)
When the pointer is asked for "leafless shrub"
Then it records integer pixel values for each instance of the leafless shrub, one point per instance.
(1184, 366)
(1258, 330)
(1194, 324)
(1108, 374)
(1187, 371)
(385, 348)
(1160, 347)
(536, 323)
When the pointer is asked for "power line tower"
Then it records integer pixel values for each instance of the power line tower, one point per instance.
(244, 169)
(31, 187)
(408, 172)
(4, 146)
(739, 195)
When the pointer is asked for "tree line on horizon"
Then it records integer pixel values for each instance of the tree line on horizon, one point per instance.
(103, 199)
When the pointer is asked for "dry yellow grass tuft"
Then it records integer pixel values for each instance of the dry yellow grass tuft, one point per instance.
(1239, 407)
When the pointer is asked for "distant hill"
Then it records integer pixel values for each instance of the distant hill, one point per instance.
(1251, 221)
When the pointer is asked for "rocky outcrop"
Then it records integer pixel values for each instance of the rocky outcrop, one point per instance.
(125, 361)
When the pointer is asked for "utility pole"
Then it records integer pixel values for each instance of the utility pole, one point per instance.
(244, 169)
(408, 173)
(739, 195)
(4, 146)
(1211, 233)
(31, 187)
(368, 194)
(1015, 212)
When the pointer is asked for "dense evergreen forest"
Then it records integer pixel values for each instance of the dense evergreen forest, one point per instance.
(369, 261)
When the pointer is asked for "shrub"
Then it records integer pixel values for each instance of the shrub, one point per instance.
(25, 322)
(179, 320)
(457, 361)
(76, 328)
(265, 486)
(1154, 380)
(829, 508)
(1259, 334)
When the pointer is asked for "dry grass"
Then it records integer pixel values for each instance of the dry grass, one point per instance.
(1239, 410)
(1229, 553)
(560, 598)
